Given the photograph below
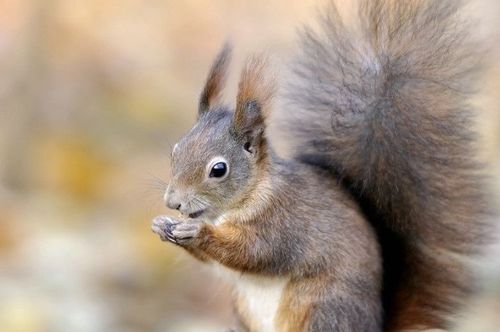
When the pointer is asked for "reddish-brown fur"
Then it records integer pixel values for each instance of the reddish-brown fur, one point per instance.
(273, 221)
(383, 105)
(379, 121)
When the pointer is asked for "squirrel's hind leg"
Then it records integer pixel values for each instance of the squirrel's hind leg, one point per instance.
(324, 305)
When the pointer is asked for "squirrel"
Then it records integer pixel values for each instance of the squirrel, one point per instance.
(294, 244)
(368, 225)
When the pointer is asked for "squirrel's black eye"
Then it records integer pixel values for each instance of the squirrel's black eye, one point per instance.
(218, 170)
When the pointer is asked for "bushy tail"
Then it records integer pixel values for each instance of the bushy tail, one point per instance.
(382, 104)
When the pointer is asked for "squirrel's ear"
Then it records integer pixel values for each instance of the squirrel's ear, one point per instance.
(216, 79)
(255, 92)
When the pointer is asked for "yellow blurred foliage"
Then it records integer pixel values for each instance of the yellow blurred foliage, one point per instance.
(7, 239)
(71, 165)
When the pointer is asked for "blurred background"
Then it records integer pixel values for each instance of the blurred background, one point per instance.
(93, 94)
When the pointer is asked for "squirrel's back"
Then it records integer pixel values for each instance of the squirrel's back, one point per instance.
(383, 105)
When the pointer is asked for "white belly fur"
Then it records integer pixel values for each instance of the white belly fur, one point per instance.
(261, 295)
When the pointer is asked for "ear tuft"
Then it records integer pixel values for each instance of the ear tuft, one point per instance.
(255, 92)
(215, 80)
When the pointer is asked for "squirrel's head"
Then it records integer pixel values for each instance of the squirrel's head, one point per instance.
(219, 161)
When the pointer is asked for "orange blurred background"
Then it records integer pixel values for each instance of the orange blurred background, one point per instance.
(93, 94)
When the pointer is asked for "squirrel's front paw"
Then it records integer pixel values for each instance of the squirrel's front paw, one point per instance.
(178, 232)
(162, 225)
(184, 233)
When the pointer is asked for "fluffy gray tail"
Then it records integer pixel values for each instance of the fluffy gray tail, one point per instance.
(382, 104)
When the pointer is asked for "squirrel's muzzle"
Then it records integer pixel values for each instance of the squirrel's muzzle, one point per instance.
(172, 199)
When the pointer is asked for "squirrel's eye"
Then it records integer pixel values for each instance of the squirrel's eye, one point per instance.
(218, 170)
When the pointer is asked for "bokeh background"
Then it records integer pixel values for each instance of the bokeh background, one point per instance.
(93, 94)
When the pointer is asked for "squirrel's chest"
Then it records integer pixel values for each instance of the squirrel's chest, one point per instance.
(258, 297)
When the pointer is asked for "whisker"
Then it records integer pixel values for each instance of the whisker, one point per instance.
(198, 204)
(216, 209)
(157, 183)
(169, 150)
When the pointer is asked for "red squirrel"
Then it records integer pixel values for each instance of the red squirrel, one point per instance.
(366, 226)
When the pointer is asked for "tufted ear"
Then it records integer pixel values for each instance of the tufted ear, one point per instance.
(255, 92)
(215, 80)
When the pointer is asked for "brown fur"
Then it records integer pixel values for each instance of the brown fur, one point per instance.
(273, 219)
(379, 120)
(254, 87)
(215, 81)
(297, 306)
(383, 106)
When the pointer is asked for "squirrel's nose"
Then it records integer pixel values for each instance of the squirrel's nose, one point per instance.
(172, 200)
(173, 204)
